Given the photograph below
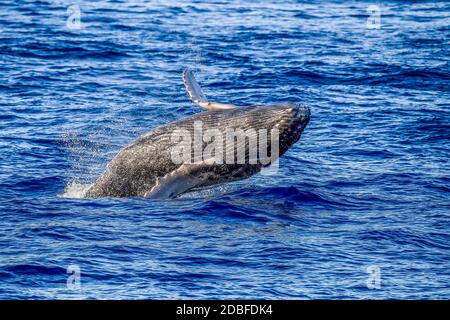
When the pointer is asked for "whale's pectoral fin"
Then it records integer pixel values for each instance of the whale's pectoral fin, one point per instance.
(186, 177)
(197, 96)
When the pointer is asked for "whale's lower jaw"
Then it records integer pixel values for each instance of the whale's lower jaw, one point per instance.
(146, 167)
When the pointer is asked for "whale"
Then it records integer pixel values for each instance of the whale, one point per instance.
(221, 144)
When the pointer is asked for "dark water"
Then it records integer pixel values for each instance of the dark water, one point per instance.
(367, 186)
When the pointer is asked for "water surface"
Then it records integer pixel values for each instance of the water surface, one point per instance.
(367, 185)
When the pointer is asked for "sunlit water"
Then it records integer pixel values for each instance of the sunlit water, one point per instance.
(367, 185)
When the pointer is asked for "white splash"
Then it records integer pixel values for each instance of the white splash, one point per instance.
(75, 190)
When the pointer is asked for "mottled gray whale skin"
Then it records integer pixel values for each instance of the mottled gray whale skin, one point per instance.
(143, 164)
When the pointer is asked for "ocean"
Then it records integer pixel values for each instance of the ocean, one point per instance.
(359, 207)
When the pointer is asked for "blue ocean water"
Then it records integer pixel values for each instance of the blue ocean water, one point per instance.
(366, 188)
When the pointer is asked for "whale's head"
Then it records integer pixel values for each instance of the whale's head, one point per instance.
(255, 135)
(289, 119)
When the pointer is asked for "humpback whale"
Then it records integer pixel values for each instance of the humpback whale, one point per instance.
(172, 159)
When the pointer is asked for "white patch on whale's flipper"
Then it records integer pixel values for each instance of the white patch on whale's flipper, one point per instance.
(197, 96)
(193, 88)
(179, 180)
